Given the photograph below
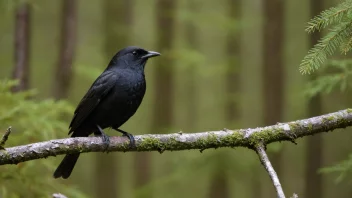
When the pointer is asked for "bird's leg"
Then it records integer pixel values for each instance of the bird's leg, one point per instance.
(105, 138)
(130, 136)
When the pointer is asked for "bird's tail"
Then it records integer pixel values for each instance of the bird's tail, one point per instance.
(66, 166)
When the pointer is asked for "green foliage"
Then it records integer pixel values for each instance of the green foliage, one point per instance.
(31, 121)
(343, 169)
(340, 36)
(329, 16)
(338, 79)
(336, 73)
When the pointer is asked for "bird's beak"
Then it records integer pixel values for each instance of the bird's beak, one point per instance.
(151, 54)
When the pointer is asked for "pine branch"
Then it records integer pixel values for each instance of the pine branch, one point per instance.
(326, 47)
(330, 16)
(346, 46)
(182, 141)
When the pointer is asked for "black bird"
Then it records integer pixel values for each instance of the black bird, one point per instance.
(112, 99)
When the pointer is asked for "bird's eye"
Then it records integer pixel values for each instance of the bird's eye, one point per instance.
(134, 53)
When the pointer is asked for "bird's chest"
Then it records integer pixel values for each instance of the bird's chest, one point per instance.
(135, 93)
(129, 94)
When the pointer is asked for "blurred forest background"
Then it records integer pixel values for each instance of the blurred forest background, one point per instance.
(224, 64)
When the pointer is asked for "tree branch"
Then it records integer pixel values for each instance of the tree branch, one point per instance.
(260, 149)
(249, 138)
(4, 138)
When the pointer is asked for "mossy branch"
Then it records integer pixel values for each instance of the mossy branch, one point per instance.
(249, 138)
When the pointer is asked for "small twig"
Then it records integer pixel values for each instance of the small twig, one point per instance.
(260, 149)
(294, 195)
(4, 138)
(58, 195)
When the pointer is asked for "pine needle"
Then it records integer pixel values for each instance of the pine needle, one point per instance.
(326, 47)
(330, 16)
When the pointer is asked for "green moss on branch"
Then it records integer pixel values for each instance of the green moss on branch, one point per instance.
(250, 138)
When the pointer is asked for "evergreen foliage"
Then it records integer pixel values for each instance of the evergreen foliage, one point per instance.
(340, 35)
(343, 168)
(32, 121)
(336, 73)
(332, 80)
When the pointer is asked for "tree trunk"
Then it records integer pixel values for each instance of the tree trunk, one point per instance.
(164, 82)
(233, 67)
(191, 40)
(68, 42)
(118, 17)
(219, 186)
(314, 154)
(22, 35)
(273, 71)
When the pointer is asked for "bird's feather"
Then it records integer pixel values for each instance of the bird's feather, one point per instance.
(100, 88)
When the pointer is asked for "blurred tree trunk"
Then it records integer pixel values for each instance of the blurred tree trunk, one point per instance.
(219, 182)
(63, 73)
(21, 69)
(163, 111)
(219, 186)
(273, 71)
(118, 16)
(314, 183)
(164, 73)
(142, 171)
(233, 67)
(192, 41)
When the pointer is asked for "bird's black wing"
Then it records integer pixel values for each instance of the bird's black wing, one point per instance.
(100, 88)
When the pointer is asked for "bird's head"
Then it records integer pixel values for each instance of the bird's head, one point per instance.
(132, 57)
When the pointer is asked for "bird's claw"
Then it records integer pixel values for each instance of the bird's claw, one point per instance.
(104, 138)
(106, 141)
(131, 138)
